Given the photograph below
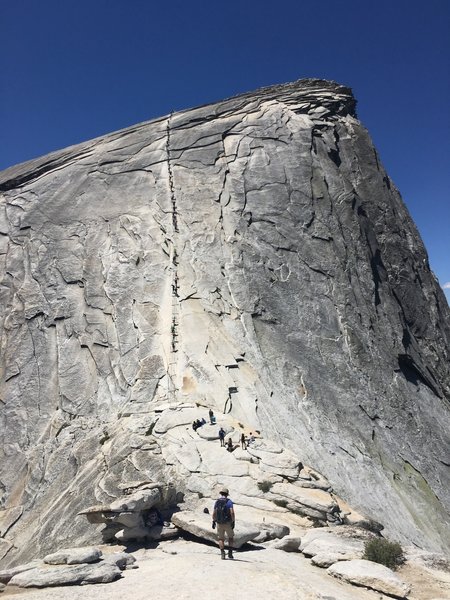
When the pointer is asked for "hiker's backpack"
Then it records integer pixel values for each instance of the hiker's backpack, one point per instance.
(223, 514)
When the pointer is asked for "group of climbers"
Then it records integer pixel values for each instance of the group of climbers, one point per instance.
(223, 513)
(229, 444)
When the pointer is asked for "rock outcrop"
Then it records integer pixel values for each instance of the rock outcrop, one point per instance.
(372, 575)
(249, 256)
(72, 566)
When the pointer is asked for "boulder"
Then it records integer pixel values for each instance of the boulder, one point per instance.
(123, 560)
(40, 577)
(372, 575)
(7, 574)
(271, 531)
(131, 533)
(289, 543)
(326, 547)
(200, 526)
(138, 501)
(73, 556)
(154, 533)
(316, 503)
(163, 532)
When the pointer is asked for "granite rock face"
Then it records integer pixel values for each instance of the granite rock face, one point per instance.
(250, 256)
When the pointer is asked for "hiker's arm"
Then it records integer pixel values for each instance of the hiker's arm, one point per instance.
(232, 517)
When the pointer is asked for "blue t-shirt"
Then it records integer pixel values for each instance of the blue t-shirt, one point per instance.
(228, 505)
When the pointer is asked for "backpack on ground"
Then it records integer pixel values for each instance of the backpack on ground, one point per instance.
(223, 514)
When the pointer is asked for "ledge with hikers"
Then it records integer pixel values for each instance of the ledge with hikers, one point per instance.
(224, 520)
(278, 498)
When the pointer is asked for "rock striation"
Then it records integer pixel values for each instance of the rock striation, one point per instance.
(251, 257)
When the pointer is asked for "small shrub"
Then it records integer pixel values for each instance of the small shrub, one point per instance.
(379, 550)
(265, 486)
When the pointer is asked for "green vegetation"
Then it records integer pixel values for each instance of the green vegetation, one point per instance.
(379, 550)
(265, 486)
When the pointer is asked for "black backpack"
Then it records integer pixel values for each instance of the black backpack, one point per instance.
(223, 514)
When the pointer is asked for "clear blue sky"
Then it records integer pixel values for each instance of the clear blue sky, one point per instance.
(75, 69)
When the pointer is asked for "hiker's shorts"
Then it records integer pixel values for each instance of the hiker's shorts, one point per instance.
(224, 528)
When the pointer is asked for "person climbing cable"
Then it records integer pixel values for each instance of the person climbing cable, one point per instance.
(224, 517)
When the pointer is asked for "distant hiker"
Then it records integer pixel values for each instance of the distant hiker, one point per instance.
(223, 515)
(230, 446)
(212, 418)
(251, 438)
(243, 441)
(194, 425)
(222, 436)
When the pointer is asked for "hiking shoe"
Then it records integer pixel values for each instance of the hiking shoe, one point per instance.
(230, 553)
(222, 555)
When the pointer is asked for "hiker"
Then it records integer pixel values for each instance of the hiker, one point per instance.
(223, 516)
(243, 442)
(251, 438)
(154, 517)
(194, 425)
(230, 446)
(222, 436)
(212, 418)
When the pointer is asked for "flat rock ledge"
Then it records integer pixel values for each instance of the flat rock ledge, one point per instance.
(74, 566)
(200, 526)
(67, 575)
(371, 575)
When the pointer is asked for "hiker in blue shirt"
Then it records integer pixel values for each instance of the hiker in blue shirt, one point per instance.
(222, 436)
(223, 516)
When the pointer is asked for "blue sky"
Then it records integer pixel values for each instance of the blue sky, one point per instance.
(73, 70)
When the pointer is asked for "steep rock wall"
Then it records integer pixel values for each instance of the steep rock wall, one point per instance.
(250, 255)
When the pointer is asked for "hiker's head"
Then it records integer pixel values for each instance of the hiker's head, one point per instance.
(224, 492)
